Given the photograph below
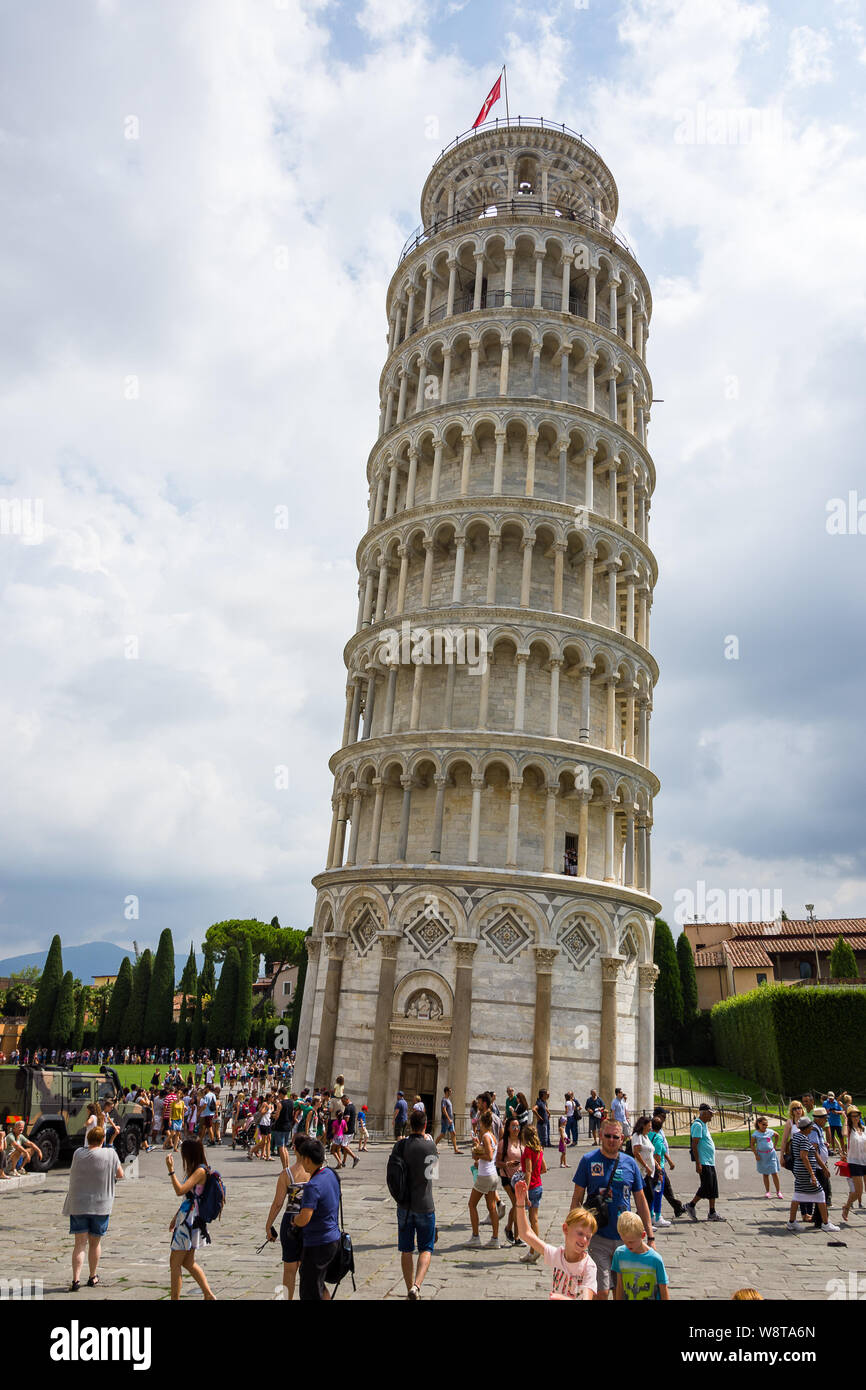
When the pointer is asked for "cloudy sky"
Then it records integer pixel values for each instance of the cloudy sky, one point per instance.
(203, 205)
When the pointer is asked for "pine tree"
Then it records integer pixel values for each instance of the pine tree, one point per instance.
(843, 962)
(63, 1021)
(76, 1042)
(668, 991)
(688, 978)
(244, 1007)
(208, 974)
(41, 1015)
(160, 1002)
(120, 996)
(220, 1028)
(189, 978)
(132, 1027)
(196, 1036)
(182, 1040)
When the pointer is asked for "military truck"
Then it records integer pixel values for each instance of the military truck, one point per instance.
(52, 1101)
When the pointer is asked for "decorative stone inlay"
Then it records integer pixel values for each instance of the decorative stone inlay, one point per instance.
(430, 929)
(507, 934)
(578, 942)
(364, 932)
(628, 947)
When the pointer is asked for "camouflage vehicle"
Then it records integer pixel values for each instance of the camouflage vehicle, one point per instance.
(52, 1102)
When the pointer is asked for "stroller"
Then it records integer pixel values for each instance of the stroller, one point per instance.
(244, 1135)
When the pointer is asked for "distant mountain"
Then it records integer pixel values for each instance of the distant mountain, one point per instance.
(94, 958)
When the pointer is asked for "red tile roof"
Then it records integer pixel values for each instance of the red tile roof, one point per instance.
(838, 926)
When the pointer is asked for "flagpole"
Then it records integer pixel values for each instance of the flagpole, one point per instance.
(507, 117)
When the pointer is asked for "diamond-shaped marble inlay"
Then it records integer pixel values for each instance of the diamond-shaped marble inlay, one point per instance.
(429, 930)
(507, 935)
(578, 942)
(628, 948)
(363, 933)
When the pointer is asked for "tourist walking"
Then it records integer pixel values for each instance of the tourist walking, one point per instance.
(660, 1149)
(619, 1110)
(350, 1116)
(819, 1130)
(541, 1111)
(563, 1141)
(187, 1231)
(644, 1154)
(320, 1206)
(605, 1181)
(661, 1114)
(763, 1145)
(401, 1115)
(416, 1218)
(704, 1158)
(446, 1120)
(509, 1155)
(89, 1200)
(571, 1136)
(594, 1108)
(835, 1116)
(485, 1180)
(856, 1144)
(533, 1167)
(807, 1188)
(288, 1195)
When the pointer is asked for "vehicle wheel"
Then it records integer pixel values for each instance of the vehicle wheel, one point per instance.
(129, 1142)
(48, 1140)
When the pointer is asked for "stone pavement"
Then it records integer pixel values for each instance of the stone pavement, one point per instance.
(706, 1262)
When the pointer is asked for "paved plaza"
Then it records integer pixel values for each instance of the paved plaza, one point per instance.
(703, 1261)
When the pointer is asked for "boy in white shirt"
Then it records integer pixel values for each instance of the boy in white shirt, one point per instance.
(574, 1273)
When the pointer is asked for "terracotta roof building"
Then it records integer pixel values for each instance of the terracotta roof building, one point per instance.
(733, 957)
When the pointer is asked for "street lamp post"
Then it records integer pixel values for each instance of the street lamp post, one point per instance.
(810, 908)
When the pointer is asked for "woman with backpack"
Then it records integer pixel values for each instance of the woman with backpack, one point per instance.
(289, 1195)
(188, 1231)
(320, 1205)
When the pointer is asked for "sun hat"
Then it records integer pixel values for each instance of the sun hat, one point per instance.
(805, 1122)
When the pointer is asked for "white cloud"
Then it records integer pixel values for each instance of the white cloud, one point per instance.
(809, 56)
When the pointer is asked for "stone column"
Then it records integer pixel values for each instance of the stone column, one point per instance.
(390, 694)
(585, 678)
(438, 816)
(428, 297)
(629, 847)
(368, 598)
(330, 1010)
(376, 827)
(563, 469)
(403, 837)
(566, 283)
(452, 285)
(401, 400)
(555, 665)
(559, 550)
(539, 258)
(588, 578)
(498, 461)
(590, 360)
(629, 720)
(641, 853)
(341, 833)
(549, 865)
(313, 947)
(583, 834)
(479, 277)
(526, 545)
(437, 465)
(614, 284)
(544, 962)
(422, 376)
(647, 976)
(457, 591)
(329, 862)
(427, 578)
(607, 1063)
(464, 471)
(629, 319)
(415, 706)
(513, 823)
(484, 695)
(642, 732)
(504, 367)
(413, 475)
(536, 369)
(563, 372)
(493, 542)
(520, 691)
(531, 441)
(610, 806)
(612, 605)
(369, 705)
(446, 375)
(403, 553)
(378, 1101)
(352, 856)
(588, 478)
(611, 730)
(509, 277)
(461, 1023)
(350, 733)
(410, 312)
(382, 595)
(613, 409)
(475, 820)
(590, 293)
(474, 345)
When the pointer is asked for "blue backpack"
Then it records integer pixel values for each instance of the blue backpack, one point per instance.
(212, 1200)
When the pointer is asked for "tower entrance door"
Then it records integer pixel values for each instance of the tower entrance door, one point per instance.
(418, 1076)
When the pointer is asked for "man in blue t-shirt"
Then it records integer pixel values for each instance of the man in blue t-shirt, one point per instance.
(704, 1158)
(613, 1177)
(320, 1206)
(401, 1115)
(834, 1119)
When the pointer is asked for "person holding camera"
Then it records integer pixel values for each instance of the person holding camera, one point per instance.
(604, 1183)
(288, 1197)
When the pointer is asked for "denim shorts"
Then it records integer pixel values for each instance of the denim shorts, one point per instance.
(415, 1223)
(89, 1225)
(534, 1195)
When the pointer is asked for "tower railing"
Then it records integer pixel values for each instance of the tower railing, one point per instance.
(519, 206)
(516, 123)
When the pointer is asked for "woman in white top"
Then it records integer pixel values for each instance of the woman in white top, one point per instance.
(644, 1156)
(486, 1183)
(94, 1116)
(856, 1157)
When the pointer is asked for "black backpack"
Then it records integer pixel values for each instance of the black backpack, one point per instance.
(343, 1261)
(397, 1174)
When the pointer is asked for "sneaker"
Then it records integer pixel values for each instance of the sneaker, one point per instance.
(660, 1221)
(690, 1211)
(768, 1195)
(509, 1236)
(474, 1241)
(780, 1196)
(494, 1243)
(679, 1209)
(794, 1226)
(529, 1257)
(500, 1210)
(714, 1216)
(414, 1293)
(828, 1226)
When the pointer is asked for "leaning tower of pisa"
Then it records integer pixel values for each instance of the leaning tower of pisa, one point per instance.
(485, 917)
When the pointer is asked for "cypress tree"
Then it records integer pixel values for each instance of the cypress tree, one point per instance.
(183, 1026)
(196, 1036)
(63, 1021)
(160, 1002)
(76, 1042)
(189, 978)
(668, 991)
(132, 1027)
(244, 1007)
(41, 1015)
(220, 1028)
(208, 974)
(688, 978)
(116, 1011)
(298, 1001)
(100, 1027)
(843, 962)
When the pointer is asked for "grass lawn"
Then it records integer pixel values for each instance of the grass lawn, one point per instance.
(128, 1074)
(715, 1079)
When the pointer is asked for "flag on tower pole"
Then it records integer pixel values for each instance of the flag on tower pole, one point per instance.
(492, 96)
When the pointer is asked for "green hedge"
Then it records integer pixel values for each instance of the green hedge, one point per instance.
(789, 1039)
